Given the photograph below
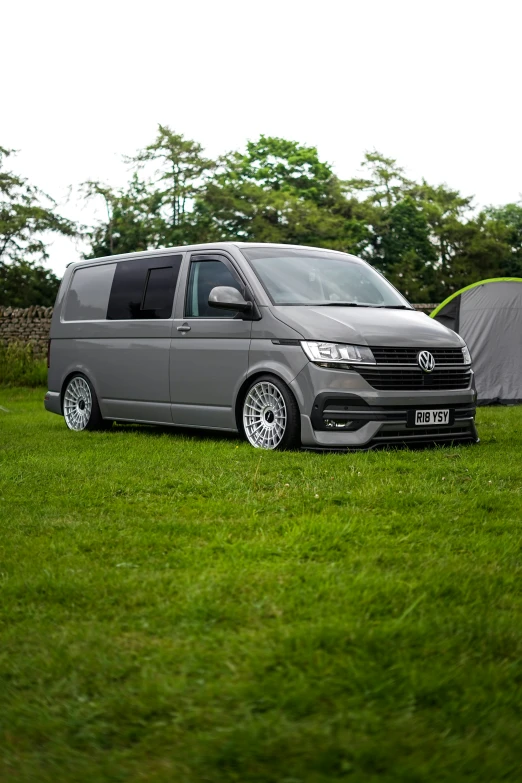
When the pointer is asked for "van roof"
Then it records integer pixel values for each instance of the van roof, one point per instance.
(204, 246)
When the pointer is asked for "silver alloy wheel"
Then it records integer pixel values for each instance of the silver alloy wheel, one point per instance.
(264, 416)
(77, 404)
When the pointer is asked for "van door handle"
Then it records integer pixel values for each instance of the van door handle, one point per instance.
(184, 328)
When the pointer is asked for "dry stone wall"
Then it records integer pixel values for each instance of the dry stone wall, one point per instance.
(29, 325)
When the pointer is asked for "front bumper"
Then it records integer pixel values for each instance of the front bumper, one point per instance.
(375, 418)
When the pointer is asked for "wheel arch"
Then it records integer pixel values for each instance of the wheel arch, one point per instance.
(68, 378)
(249, 380)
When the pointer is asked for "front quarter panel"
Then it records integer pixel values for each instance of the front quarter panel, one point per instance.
(266, 356)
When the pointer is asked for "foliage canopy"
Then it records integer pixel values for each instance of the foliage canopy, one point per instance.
(27, 216)
(429, 240)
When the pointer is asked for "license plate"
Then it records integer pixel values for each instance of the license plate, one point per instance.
(426, 418)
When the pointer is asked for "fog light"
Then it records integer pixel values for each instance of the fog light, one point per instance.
(336, 424)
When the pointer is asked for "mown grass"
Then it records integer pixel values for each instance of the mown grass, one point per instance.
(178, 607)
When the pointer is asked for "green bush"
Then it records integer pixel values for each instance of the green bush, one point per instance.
(19, 366)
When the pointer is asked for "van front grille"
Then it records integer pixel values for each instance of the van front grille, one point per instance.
(442, 356)
(414, 379)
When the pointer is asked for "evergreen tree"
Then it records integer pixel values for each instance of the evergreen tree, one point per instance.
(179, 174)
(133, 222)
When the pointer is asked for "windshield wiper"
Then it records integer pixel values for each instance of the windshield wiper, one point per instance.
(341, 304)
(395, 307)
(358, 304)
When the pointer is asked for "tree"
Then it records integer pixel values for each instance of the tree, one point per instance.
(27, 215)
(408, 257)
(155, 209)
(469, 246)
(375, 195)
(386, 183)
(276, 191)
(397, 234)
(428, 240)
(506, 224)
(447, 214)
(179, 176)
(23, 284)
(133, 222)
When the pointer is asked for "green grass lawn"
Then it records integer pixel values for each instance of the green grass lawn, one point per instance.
(180, 607)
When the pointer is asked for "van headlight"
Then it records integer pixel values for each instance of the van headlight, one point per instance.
(466, 354)
(326, 354)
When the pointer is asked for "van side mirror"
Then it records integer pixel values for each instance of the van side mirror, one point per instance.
(227, 298)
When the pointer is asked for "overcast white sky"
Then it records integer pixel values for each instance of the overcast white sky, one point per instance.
(435, 84)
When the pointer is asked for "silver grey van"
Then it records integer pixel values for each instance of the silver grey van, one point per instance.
(288, 345)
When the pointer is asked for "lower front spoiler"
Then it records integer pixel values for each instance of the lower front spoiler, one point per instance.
(375, 435)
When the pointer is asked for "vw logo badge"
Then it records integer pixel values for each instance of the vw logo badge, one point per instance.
(426, 361)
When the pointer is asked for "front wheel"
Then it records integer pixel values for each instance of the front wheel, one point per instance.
(270, 415)
(80, 406)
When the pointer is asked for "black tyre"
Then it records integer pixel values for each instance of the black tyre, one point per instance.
(80, 406)
(270, 415)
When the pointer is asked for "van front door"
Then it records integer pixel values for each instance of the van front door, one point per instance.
(209, 349)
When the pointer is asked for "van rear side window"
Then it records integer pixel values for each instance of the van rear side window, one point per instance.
(144, 288)
(158, 294)
(88, 295)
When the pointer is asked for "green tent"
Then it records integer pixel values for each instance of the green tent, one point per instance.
(488, 316)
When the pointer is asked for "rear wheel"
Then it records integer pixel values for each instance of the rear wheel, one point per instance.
(80, 406)
(270, 415)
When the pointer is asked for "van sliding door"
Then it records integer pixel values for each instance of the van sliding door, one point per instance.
(133, 356)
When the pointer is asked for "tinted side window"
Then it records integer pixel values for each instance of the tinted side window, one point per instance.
(88, 293)
(144, 288)
(203, 277)
(158, 294)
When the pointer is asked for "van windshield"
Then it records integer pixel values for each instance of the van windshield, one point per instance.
(294, 276)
